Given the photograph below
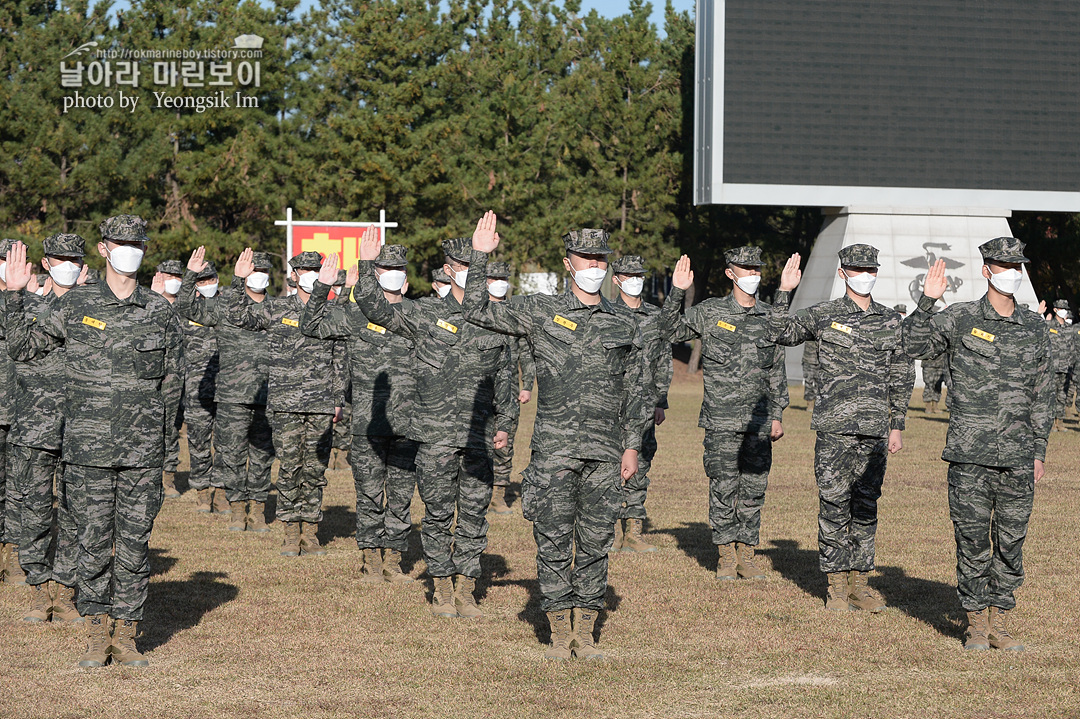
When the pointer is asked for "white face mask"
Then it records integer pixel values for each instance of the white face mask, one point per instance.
(258, 281)
(125, 259)
(862, 283)
(1007, 282)
(3, 271)
(40, 292)
(1061, 313)
(290, 292)
(459, 277)
(633, 286)
(207, 290)
(590, 279)
(65, 274)
(498, 288)
(392, 280)
(442, 290)
(748, 284)
(172, 287)
(306, 281)
(1068, 321)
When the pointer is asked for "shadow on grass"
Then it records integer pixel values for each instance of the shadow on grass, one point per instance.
(182, 482)
(338, 521)
(160, 562)
(173, 606)
(695, 541)
(931, 602)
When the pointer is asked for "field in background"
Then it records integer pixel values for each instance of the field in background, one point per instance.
(234, 630)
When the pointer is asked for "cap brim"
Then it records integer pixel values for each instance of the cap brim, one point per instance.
(1014, 259)
(591, 250)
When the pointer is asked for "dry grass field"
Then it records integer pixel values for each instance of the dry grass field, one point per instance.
(234, 630)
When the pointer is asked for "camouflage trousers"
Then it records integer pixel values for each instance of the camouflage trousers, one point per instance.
(933, 382)
(502, 460)
(114, 510)
(199, 415)
(737, 464)
(990, 508)
(243, 451)
(303, 443)
(3, 485)
(343, 428)
(809, 373)
(1061, 393)
(637, 487)
(573, 505)
(172, 440)
(384, 472)
(40, 477)
(453, 478)
(850, 470)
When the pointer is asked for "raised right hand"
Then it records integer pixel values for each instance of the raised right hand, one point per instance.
(245, 264)
(934, 285)
(683, 276)
(369, 244)
(328, 271)
(484, 238)
(792, 275)
(19, 270)
(197, 263)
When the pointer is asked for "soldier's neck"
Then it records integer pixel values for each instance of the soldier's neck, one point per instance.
(122, 286)
(1059, 320)
(59, 290)
(1003, 304)
(585, 297)
(863, 301)
(255, 296)
(457, 292)
(303, 296)
(393, 298)
(745, 299)
(170, 298)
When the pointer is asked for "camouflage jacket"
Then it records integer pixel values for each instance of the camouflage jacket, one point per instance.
(591, 369)
(380, 364)
(522, 363)
(864, 378)
(934, 365)
(243, 355)
(1002, 396)
(307, 374)
(123, 360)
(201, 358)
(745, 376)
(38, 414)
(7, 369)
(1062, 346)
(464, 386)
(657, 348)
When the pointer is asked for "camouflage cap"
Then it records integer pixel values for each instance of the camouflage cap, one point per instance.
(458, 248)
(498, 269)
(858, 255)
(439, 275)
(901, 308)
(628, 265)
(1003, 249)
(5, 245)
(1061, 304)
(306, 261)
(263, 261)
(587, 242)
(124, 228)
(64, 244)
(42, 278)
(171, 267)
(746, 256)
(395, 255)
(341, 276)
(208, 273)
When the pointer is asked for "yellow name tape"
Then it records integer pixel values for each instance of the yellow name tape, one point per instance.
(93, 323)
(1053, 332)
(290, 323)
(193, 322)
(843, 328)
(376, 328)
(982, 335)
(726, 326)
(562, 321)
(447, 326)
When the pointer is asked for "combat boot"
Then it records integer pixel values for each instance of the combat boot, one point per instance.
(562, 636)
(391, 568)
(63, 605)
(998, 635)
(15, 576)
(931, 407)
(39, 604)
(727, 565)
(498, 501)
(975, 637)
(168, 483)
(97, 641)
(442, 601)
(839, 590)
(371, 571)
(221, 504)
(465, 598)
(123, 644)
(203, 498)
(746, 567)
(239, 516)
(256, 519)
(291, 546)
(632, 541)
(861, 596)
(583, 644)
(309, 543)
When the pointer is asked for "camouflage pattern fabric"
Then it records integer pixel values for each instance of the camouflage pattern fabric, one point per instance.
(43, 558)
(453, 478)
(1063, 357)
(202, 363)
(7, 394)
(523, 367)
(637, 487)
(5, 490)
(810, 370)
(199, 416)
(38, 399)
(243, 451)
(737, 464)
(302, 442)
(384, 474)
(935, 376)
(850, 470)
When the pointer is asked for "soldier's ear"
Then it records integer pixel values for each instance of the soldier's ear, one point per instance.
(566, 263)
(985, 272)
(101, 249)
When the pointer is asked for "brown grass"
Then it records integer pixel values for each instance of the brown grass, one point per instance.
(234, 630)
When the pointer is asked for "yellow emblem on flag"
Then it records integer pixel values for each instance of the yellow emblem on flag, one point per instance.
(726, 326)
(98, 324)
(843, 328)
(982, 335)
(560, 320)
(447, 326)
(376, 328)
(193, 322)
(290, 323)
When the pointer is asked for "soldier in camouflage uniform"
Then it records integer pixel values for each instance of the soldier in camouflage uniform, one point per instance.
(1001, 362)
(591, 366)
(521, 364)
(243, 446)
(167, 282)
(383, 458)
(810, 373)
(122, 354)
(339, 455)
(440, 282)
(10, 569)
(629, 277)
(464, 399)
(201, 365)
(35, 442)
(745, 397)
(864, 387)
(306, 388)
(1063, 355)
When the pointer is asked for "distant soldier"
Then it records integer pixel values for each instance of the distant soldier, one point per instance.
(343, 427)
(167, 281)
(745, 397)
(440, 282)
(1002, 409)
(202, 363)
(1063, 357)
(810, 373)
(865, 385)
(629, 277)
(10, 569)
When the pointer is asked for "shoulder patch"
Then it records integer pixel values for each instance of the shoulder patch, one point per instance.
(560, 320)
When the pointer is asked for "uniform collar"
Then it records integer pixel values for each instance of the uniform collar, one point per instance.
(990, 313)
(641, 309)
(139, 297)
(852, 308)
(736, 307)
(573, 303)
